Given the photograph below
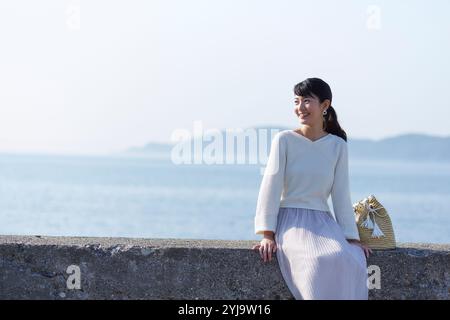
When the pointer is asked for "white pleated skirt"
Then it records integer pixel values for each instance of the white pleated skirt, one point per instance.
(316, 260)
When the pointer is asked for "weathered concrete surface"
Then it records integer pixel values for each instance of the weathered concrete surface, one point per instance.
(34, 267)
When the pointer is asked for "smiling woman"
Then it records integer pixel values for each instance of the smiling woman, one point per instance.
(319, 256)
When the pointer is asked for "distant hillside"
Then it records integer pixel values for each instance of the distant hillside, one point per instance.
(411, 147)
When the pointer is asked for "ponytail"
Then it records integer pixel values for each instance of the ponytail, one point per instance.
(331, 124)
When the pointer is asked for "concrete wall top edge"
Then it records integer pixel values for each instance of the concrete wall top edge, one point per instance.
(110, 242)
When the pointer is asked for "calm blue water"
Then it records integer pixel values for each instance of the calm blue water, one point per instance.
(141, 197)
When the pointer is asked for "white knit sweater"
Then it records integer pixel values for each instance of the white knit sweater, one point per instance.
(304, 173)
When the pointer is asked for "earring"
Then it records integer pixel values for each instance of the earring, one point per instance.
(324, 112)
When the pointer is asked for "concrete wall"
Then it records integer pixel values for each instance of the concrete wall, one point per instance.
(35, 267)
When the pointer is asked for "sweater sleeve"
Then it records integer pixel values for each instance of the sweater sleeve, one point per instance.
(272, 183)
(340, 194)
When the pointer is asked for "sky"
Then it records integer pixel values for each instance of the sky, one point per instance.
(101, 76)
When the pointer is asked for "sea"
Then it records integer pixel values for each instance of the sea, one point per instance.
(153, 197)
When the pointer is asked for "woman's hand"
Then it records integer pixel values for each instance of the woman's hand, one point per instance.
(365, 248)
(266, 247)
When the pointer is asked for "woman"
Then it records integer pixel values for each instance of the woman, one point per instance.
(320, 257)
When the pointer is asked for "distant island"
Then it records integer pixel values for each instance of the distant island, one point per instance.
(408, 147)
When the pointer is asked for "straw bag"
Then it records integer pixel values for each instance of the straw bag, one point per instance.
(374, 224)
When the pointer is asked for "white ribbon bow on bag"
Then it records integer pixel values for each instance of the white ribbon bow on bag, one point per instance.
(369, 222)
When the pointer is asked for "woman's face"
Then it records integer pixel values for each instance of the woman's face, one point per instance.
(309, 110)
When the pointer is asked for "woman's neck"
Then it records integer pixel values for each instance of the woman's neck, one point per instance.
(311, 133)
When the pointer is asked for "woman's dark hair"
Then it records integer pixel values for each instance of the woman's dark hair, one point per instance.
(317, 87)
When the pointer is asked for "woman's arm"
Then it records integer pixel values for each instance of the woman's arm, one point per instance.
(272, 183)
(269, 235)
(340, 194)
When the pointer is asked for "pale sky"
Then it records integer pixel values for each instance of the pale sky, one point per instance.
(100, 76)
